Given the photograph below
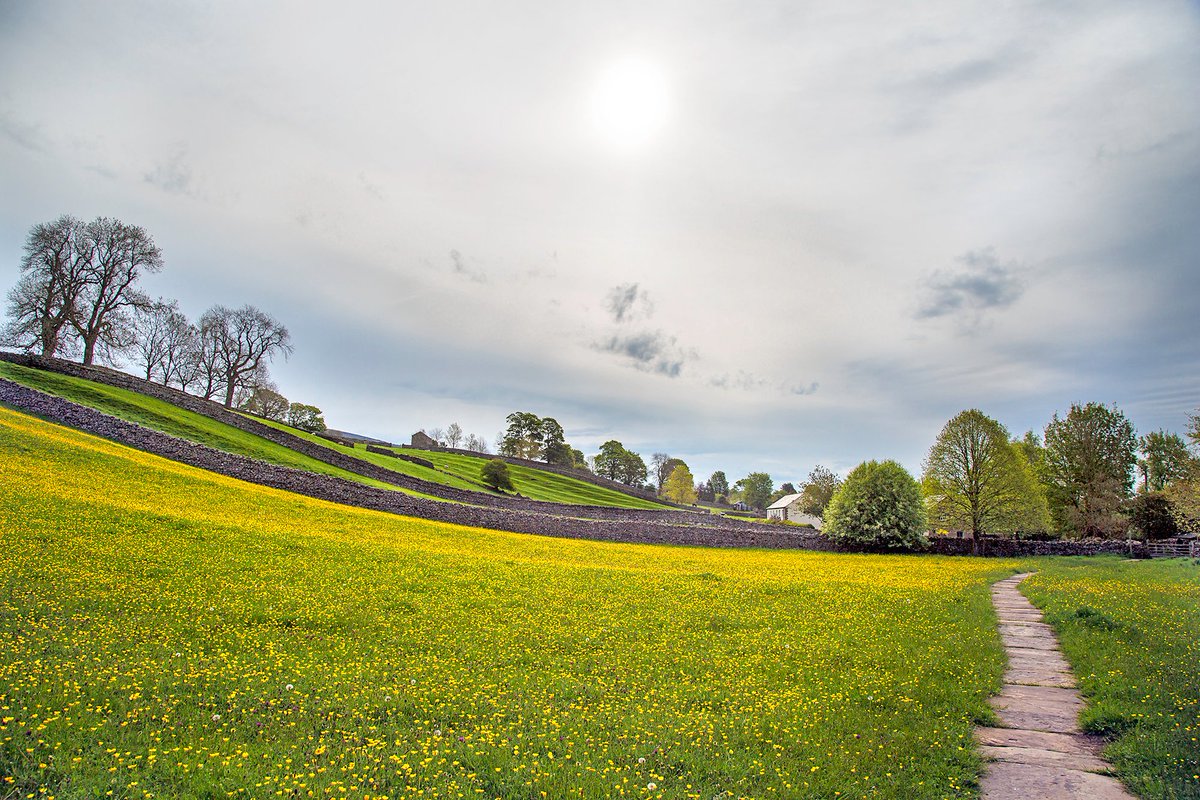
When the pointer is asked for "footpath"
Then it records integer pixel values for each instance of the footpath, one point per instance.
(1039, 751)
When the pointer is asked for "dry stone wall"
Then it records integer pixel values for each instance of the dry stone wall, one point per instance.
(505, 514)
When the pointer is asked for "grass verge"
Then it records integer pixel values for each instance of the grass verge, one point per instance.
(1131, 630)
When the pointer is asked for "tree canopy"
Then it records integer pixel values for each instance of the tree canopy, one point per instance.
(617, 463)
(878, 505)
(495, 474)
(818, 490)
(756, 489)
(1089, 458)
(679, 487)
(975, 479)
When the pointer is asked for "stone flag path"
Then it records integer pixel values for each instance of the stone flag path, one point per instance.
(1040, 752)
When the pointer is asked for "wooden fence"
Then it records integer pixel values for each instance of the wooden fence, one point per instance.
(1174, 548)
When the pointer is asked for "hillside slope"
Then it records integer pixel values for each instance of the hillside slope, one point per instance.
(173, 632)
(163, 409)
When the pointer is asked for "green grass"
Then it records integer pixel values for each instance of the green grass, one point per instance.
(387, 462)
(541, 485)
(173, 633)
(460, 472)
(167, 418)
(1131, 631)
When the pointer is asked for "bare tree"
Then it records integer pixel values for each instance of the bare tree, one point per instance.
(181, 364)
(439, 436)
(235, 343)
(476, 444)
(156, 332)
(119, 254)
(454, 435)
(44, 301)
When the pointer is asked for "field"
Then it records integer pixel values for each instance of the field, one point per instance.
(1131, 631)
(168, 632)
(456, 471)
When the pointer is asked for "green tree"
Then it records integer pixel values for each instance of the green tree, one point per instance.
(1152, 515)
(1090, 455)
(818, 490)
(1165, 459)
(579, 460)
(555, 450)
(719, 484)
(608, 461)
(878, 505)
(680, 486)
(633, 469)
(976, 480)
(266, 402)
(523, 437)
(756, 489)
(305, 417)
(496, 475)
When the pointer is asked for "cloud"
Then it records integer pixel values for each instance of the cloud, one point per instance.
(650, 351)
(750, 382)
(628, 302)
(173, 175)
(980, 284)
(460, 267)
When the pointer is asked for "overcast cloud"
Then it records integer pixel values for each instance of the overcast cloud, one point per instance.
(848, 221)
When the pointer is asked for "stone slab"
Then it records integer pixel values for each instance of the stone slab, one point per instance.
(1005, 780)
(1029, 643)
(1040, 677)
(1045, 758)
(1038, 708)
(1061, 742)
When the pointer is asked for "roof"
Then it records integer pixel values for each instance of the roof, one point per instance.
(785, 501)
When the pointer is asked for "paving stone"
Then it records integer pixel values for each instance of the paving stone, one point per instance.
(1008, 781)
(1045, 758)
(1077, 743)
(1040, 677)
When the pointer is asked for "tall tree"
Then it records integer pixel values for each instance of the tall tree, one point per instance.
(658, 469)
(1165, 459)
(120, 254)
(243, 340)
(756, 489)
(976, 480)
(267, 402)
(679, 486)
(46, 298)
(160, 332)
(719, 484)
(523, 438)
(818, 490)
(1090, 455)
(305, 417)
(608, 462)
(454, 435)
(633, 469)
(555, 449)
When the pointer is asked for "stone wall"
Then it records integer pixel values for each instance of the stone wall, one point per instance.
(502, 513)
(338, 490)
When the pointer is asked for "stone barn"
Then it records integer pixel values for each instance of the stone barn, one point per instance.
(787, 509)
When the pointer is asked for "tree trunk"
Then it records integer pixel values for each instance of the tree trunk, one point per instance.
(89, 351)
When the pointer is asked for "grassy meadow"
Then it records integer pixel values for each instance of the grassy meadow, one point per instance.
(457, 471)
(168, 632)
(1131, 630)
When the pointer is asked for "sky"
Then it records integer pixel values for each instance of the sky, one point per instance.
(757, 236)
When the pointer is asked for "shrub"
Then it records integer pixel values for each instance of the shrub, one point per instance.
(879, 505)
(1152, 514)
(495, 474)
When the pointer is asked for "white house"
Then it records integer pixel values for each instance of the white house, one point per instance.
(788, 508)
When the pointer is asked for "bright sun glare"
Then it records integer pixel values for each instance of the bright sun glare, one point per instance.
(629, 104)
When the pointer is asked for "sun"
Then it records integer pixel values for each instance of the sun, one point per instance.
(630, 104)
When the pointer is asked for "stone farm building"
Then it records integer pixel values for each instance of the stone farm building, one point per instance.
(787, 508)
